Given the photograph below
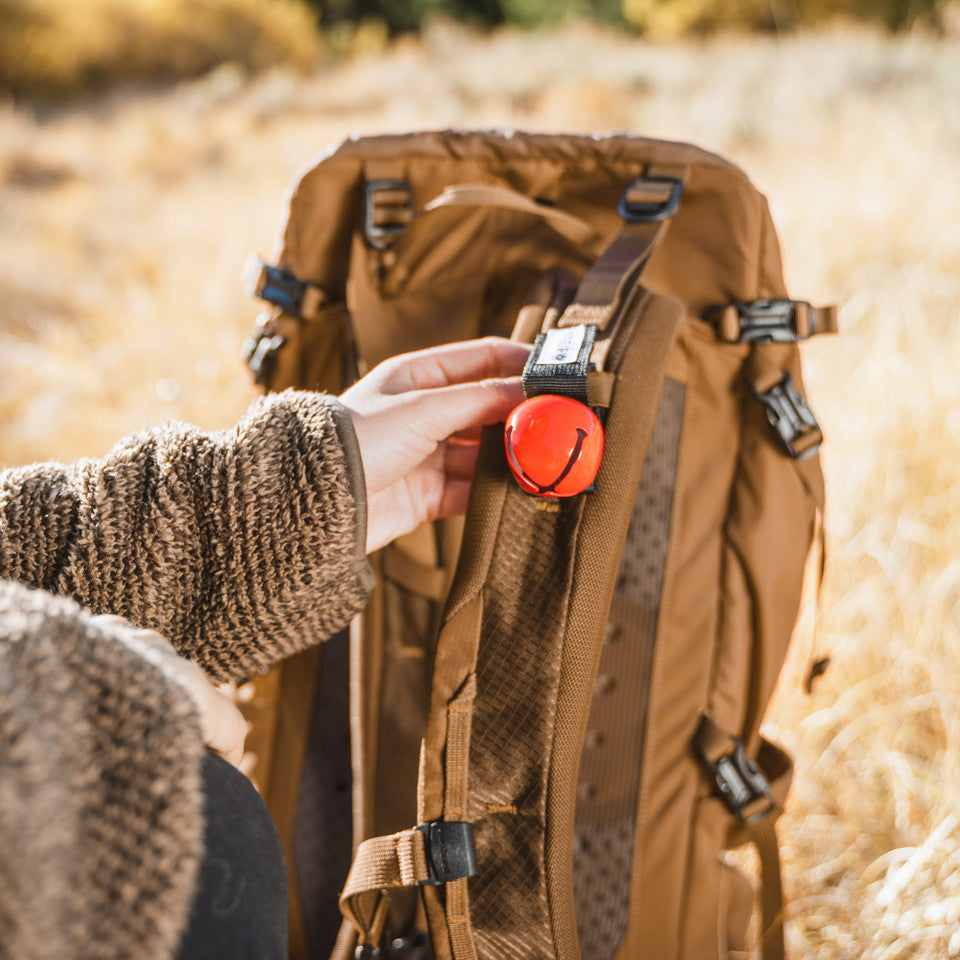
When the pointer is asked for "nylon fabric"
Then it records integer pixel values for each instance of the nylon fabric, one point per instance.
(380, 864)
(517, 678)
(480, 194)
(455, 795)
(609, 777)
(740, 521)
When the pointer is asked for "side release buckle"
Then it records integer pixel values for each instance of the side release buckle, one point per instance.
(387, 211)
(741, 784)
(768, 321)
(791, 418)
(260, 350)
(451, 851)
(281, 288)
(650, 199)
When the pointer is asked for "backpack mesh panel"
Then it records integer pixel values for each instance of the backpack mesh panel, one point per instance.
(517, 679)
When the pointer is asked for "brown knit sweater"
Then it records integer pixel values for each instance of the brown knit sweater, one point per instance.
(241, 547)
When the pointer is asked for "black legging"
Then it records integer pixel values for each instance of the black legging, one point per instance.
(240, 907)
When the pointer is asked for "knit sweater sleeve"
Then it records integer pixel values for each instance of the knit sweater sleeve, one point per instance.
(101, 819)
(241, 547)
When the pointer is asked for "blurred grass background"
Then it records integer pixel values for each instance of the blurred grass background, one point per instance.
(144, 151)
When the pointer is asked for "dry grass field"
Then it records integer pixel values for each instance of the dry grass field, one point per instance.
(124, 224)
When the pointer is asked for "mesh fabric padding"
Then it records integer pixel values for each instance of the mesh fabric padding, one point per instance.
(609, 778)
(525, 612)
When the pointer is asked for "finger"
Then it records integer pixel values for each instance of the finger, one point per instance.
(397, 439)
(460, 460)
(465, 406)
(470, 435)
(491, 357)
(456, 494)
(222, 725)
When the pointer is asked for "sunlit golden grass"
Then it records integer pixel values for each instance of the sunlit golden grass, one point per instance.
(123, 228)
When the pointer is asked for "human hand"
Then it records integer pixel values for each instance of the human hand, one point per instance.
(417, 417)
(221, 724)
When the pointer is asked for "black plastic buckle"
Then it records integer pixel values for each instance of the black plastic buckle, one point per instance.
(383, 236)
(281, 288)
(768, 321)
(741, 784)
(260, 351)
(413, 946)
(633, 212)
(791, 418)
(451, 851)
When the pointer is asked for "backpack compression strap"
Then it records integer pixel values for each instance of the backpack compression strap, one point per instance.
(746, 791)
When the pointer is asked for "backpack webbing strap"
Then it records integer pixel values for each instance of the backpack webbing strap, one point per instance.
(744, 789)
(790, 417)
(646, 207)
(382, 863)
(777, 321)
(574, 228)
(456, 768)
(431, 853)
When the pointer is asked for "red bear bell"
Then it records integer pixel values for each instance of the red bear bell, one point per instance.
(554, 445)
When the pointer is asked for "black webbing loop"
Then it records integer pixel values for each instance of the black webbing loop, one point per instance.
(646, 207)
(560, 363)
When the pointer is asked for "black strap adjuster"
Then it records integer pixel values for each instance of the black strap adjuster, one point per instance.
(451, 851)
(771, 321)
(791, 418)
(641, 201)
(741, 784)
(281, 288)
(387, 211)
(260, 350)
(768, 321)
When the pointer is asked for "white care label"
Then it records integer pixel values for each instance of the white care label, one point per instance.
(562, 345)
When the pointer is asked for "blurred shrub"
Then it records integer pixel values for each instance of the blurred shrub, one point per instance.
(54, 48)
(676, 17)
(57, 48)
(659, 17)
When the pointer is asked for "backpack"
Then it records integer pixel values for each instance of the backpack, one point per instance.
(553, 737)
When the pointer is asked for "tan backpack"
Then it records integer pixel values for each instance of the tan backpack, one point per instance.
(587, 676)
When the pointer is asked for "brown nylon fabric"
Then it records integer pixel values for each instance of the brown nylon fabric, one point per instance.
(741, 516)
(517, 677)
(609, 777)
